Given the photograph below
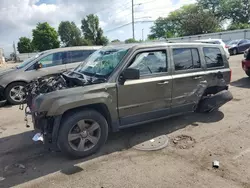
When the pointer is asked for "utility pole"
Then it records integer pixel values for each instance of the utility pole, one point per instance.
(133, 20)
(15, 55)
(142, 34)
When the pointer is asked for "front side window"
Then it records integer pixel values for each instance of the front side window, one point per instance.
(150, 62)
(102, 62)
(186, 58)
(53, 60)
(213, 57)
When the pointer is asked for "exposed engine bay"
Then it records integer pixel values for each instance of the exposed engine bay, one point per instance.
(58, 82)
(55, 82)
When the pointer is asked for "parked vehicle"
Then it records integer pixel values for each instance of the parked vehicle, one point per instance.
(238, 46)
(123, 86)
(246, 62)
(216, 41)
(13, 80)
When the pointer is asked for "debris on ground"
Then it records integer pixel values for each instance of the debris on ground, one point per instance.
(2, 178)
(216, 164)
(184, 142)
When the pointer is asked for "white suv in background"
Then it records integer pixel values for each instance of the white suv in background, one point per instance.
(216, 41)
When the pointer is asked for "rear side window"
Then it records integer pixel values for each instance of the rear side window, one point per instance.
(80, 55)
(213, 57)
(186, 58)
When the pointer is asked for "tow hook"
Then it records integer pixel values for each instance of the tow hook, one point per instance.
(38, 137)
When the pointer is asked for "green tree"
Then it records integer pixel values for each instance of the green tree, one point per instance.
(238, 11)
(188, 20)
(45, 37)
(116, 40)
(163, 28)
(92, 31)
(69, 33)
(24, 45)
(239, 26)
(130, 41)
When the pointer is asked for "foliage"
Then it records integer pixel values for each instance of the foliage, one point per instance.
(163, 28)
(116, 40)
(188, 20)
(130, 41)
(24, 45)
(239, 26)
(92, 31)
(70, 34)
(45, 37)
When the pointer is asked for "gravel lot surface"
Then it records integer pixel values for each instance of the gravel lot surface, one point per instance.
(223, 135)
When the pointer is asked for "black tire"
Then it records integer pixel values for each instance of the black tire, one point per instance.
(214, 102)
(248, 73)
(70, 121)
(235, 51)
(8, 89)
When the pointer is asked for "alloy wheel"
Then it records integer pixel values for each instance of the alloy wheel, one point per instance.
(17, 94)
(84, 135)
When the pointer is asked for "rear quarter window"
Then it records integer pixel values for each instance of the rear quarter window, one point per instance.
(213, 57)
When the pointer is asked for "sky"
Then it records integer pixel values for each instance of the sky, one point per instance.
(19, 17)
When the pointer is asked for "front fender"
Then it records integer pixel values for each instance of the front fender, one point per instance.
(61, 105)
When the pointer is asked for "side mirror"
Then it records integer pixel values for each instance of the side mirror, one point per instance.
(38, 66)
(130, 74)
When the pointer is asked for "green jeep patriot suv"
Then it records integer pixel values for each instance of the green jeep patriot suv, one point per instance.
(126, 85)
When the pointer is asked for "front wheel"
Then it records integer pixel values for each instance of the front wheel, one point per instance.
(82, 133)
(15, 93)
(235, 51)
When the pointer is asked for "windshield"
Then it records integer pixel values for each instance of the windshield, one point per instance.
(102, 62)
(27, 61)
(233, 42)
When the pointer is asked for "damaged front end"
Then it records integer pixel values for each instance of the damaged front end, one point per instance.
(48, 126)
(41, 123)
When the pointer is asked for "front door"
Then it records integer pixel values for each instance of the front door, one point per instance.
(51, 64)
(189, 80)
(149, 97)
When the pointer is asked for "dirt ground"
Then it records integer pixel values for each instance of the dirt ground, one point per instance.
(223, 135)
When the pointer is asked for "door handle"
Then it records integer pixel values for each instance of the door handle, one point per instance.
(163, 83)
(197, 77)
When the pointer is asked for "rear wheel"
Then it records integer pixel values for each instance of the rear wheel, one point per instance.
(214, 102)
(15, 93)
(82, 133)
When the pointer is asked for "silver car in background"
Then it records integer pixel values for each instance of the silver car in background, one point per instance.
(13, 80)
(216, 41)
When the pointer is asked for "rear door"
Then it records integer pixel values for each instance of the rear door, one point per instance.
(188, 78)
(77, 56)
(149, 97)
(216, 64)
